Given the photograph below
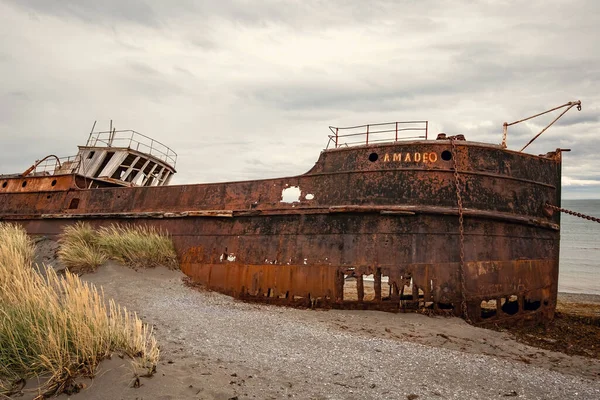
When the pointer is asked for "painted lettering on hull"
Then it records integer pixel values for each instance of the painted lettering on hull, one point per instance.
(416, 157)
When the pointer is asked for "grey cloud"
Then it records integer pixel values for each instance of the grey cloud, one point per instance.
(113, 11)
(275, 168)
(150, 12)
(145, 81)
(183, 71)
(227, 144)
(204, 42)
(471, 72)
(573, 118)
(583, 192)
(142, 68)
(19, 95)
(342, 95)
(246, 91)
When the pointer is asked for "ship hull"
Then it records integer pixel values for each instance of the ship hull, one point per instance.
(356, 231)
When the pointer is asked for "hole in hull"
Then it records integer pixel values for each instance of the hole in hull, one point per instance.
(290, 195)
(531, 305)
(352, 288)
(511, 305)
(74, 204)
(488, 308)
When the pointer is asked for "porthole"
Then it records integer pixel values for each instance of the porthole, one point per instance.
(446, 155)
(53, 182)
(4, 184)
(373, 157)
(24, 184)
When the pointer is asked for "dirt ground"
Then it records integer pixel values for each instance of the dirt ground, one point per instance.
(214, 347)
(574, 331)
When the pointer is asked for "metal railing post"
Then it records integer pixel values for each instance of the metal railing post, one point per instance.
(336, 138)
(396, 131)
(426, 129)
(367, 134)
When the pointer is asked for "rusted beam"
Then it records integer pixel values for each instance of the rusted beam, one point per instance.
(377, 284)
(360, 288)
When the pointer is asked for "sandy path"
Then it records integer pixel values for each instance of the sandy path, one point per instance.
(214, 347)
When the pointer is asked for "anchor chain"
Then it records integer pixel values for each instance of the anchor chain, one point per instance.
(574, 213)
(461, 231)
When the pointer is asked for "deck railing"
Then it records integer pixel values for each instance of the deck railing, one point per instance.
(53, 165)
(375, 133)
(135, 141)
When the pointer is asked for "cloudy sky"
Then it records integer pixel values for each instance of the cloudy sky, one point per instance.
(246, 89)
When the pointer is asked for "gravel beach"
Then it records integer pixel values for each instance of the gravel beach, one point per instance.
(214, 347)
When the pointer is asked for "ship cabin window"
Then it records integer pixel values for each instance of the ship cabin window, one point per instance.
(104, 163)
(4, 184)
(446, 155)
(24, 184)
(119, 173)
(74, 204)
(373, 157)
(53, 182)
(91, 154)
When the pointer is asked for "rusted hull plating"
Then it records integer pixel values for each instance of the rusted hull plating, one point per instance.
(361, 232)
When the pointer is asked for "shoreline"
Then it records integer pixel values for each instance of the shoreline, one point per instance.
(570, 297)
(216, 347)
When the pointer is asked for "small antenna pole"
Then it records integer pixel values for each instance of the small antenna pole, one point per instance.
(111, 134)
(91, 132)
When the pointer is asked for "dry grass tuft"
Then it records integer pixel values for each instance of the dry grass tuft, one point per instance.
(59, 327)
(79, 249)
(138, 246)
(84, 249)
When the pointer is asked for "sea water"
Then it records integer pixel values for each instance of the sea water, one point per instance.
(579, 270)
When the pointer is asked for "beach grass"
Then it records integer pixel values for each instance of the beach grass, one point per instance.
(137, 245)
(82, 248)
(79, 249)
(59, 327)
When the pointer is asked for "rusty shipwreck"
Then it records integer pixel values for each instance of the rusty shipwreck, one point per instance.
(386, 219)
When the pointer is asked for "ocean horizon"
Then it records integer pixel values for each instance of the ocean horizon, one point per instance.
(579, 269)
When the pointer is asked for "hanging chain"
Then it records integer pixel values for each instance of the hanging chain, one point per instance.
(461, 231)
(580, 215)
